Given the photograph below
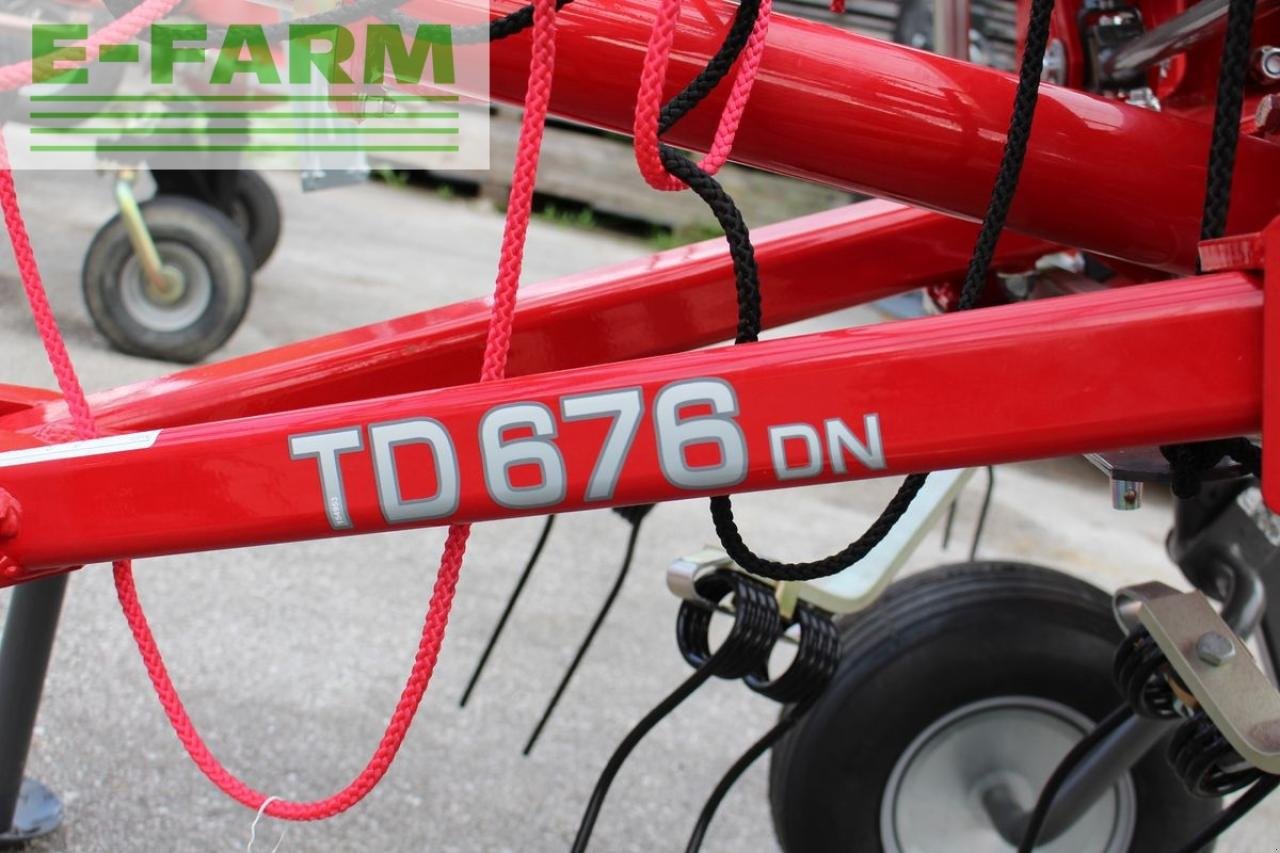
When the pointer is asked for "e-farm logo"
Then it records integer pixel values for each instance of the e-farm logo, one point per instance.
(309, 95)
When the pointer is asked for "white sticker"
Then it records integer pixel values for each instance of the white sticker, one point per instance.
(77, 449)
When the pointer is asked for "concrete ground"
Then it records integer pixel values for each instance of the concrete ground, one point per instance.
(290, 658)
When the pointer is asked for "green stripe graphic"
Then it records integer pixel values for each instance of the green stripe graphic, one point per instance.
(180, 99)
(240, 149)
(196, 131)
(229, 115)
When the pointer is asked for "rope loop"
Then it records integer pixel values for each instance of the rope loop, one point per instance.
(651, 118)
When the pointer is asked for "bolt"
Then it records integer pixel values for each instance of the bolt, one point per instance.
(1265, 65)
(1215, 649)
(1268, 115)
(1126, 494)
(10, 515)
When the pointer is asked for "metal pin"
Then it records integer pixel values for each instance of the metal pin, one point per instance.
(1126, 494)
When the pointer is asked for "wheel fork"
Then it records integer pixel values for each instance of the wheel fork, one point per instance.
(164, 285)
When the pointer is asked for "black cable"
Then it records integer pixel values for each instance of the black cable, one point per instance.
(1049, 792)
(757, 749)
(637, 733)
(499, 28)
(627, 558)
(747, 282)
(981, 523)
(506, 611)
(756, 627)
(805, 679)
(1232, 813)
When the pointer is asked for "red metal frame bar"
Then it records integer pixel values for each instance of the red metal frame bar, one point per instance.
(1067, 375)
(876, 117)
(673, 301)
(1081, 373)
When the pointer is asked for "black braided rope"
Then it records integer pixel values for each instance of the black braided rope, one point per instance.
(1015, 152)
(499, 28)
(747, 283)
(1189, 462)
(1226, 119)
(744, 21)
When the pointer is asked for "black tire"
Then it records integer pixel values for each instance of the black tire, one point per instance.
(244, 196)
(194, 237)
(937, 642)
(256, 212)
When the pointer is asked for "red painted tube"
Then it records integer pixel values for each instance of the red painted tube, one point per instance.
(1043, 378)
(875, 117)
(668, 302)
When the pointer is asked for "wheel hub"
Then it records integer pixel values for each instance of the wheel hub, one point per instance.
(175, 287)
(934, 799)
(185, 297)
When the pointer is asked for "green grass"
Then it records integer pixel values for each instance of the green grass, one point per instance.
(392, 177)
(582, 218)
(662, 239)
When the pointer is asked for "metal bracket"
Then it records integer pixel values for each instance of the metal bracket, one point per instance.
(1213, 663)
(163, 283)
(859, 585)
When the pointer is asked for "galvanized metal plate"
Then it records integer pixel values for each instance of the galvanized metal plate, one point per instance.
(1234, 691)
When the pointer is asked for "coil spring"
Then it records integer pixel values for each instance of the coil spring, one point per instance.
(757, 627)
(1140, 671)
(817, 654)
(1205, 762)
(757, 624)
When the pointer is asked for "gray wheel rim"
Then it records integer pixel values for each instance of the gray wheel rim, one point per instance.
(157, 315)
(932, 803)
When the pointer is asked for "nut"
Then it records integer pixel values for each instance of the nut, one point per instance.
(1265, 65)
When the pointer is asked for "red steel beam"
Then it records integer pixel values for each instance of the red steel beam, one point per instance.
(875, 117)
(673, 301)
(1060, 376)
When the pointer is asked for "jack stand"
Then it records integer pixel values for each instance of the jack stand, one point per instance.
(28, 809)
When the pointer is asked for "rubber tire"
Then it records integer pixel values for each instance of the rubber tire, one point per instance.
(261, 221)
(264, 218)
(219, 245)
(936, 642)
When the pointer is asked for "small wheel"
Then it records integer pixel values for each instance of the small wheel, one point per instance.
(256, 212)
(245, 197)
(959, 681)
(209, 272)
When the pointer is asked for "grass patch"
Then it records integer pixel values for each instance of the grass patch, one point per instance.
(662, 239)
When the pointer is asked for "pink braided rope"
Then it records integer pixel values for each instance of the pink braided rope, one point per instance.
(118, 31)
(649, 100)
(497, 346)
